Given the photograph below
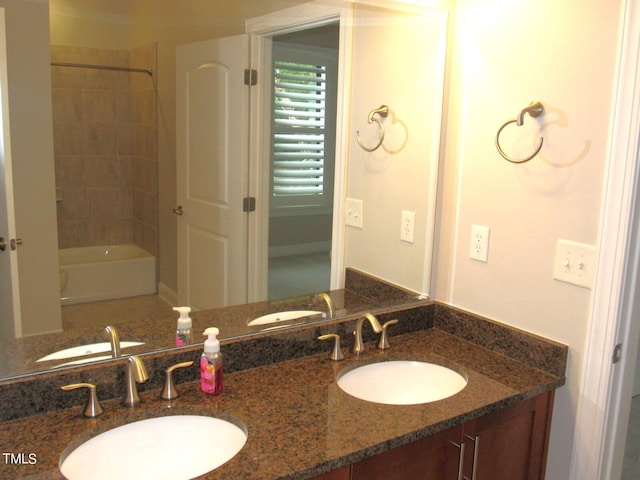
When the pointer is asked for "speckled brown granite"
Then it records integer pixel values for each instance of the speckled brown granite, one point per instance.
(372, 287)
(364, 293)
(40, 393)
(299, 422)
(522, 346)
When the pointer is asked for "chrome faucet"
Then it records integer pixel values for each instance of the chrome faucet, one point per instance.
(327, 299)
(358, 346)
(135, 373)
(114, 338)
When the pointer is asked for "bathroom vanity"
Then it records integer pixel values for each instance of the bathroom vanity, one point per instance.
(301, 425)
(514, 442)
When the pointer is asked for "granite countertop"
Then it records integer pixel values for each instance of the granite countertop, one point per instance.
(300, 424)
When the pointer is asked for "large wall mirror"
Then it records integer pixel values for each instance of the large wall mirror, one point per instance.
(133, 159)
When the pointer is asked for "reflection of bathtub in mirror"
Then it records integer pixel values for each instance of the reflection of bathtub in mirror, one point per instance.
(105, 272)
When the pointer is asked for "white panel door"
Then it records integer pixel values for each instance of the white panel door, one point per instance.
(212, 160)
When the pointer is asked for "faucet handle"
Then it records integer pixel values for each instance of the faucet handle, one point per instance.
(336, 354)
(383, 343)
(169, 391)
(93, 408)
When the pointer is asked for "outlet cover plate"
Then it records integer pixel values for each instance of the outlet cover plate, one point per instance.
(574, 263)
(408, 226)
(479, 245)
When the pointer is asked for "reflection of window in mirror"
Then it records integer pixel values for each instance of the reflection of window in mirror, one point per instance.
(303, 108)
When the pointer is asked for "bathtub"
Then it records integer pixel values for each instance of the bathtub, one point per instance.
(90, 274)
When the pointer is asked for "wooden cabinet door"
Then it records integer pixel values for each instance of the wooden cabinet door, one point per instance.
(343, 473)
(431, 458)
(510, 443)
(507, 444)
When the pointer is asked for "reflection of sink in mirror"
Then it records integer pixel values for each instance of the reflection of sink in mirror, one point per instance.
(401, 382)
(283, 317)
(82, 350)
(176, 447)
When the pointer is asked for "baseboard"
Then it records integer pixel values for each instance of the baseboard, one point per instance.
(299, 249)
(169, 295)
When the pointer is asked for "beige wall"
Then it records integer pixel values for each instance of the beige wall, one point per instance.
(506, 55)
(33, 168)
(401, 174)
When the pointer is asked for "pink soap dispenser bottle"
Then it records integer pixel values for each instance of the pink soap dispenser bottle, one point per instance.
(211, 368)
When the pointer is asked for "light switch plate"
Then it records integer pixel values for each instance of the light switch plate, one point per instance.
(575, 263)
(354, 213)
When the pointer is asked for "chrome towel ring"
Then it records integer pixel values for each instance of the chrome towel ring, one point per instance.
(535, 109)
(382, 111)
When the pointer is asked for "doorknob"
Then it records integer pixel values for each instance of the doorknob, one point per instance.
(13, 243)
(178, 210)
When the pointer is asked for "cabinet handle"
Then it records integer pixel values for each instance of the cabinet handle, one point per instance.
(460, 459)
(476, 447)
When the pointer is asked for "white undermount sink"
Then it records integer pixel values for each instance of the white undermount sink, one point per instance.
(82, 350)
(283, 317)
(401, 382)
(172, 447)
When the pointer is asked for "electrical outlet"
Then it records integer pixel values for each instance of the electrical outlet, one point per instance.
(354, 213)
(479, 249)
(408, 226)
(574, 263)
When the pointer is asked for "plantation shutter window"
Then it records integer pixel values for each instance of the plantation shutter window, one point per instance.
(302, 134)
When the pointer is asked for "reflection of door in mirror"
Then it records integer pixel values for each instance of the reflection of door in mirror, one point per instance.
(302, 160)
(212, 159)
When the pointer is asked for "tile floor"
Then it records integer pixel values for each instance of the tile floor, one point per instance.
(108, 312)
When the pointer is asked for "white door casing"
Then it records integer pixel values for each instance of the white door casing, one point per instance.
(261, 30)
(212, 108)
(605, 387)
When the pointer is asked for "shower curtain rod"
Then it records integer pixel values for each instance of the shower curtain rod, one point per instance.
(148, 71)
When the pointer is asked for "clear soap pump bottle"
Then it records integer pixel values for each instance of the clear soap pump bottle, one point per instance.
(183, 331)
(211, 368)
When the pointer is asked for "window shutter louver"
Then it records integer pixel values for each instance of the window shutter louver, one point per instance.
(299, 112)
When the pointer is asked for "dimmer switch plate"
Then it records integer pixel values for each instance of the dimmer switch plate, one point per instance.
(574, 263)
(354, 213)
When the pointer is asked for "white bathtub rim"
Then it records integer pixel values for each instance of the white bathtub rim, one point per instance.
(99, 279)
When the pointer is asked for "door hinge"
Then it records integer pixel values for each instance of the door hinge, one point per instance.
(248, 204)
(250, 77)
(617, 353)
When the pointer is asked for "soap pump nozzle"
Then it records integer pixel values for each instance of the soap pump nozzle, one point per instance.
(212, 344)
(183, 331)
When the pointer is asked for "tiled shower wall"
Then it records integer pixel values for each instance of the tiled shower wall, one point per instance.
(105, 145)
